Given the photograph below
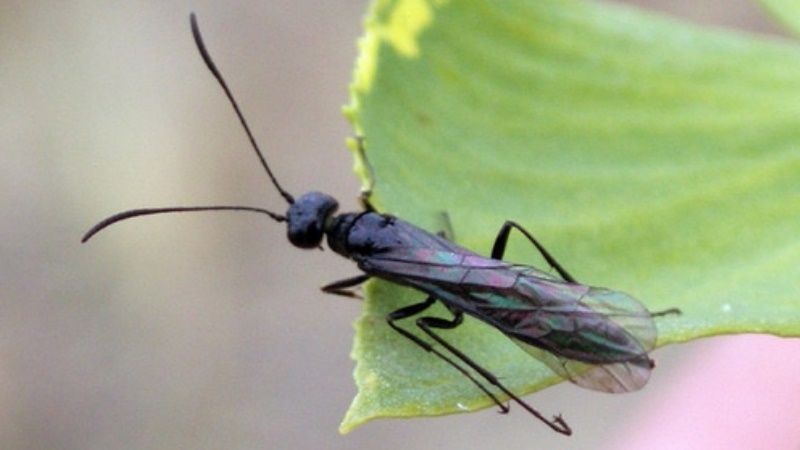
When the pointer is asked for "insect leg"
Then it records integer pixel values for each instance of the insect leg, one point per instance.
(447, 227)
(500, 242)
(366, 192)
(417, 308)
(342, 287)
(427, 323)
(665, 312)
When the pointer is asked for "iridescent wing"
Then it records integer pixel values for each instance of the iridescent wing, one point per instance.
(595, 337)
(599, 342)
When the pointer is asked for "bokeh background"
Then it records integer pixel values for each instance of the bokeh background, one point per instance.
(209, 331)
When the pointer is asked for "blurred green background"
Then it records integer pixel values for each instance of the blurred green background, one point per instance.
(204, 331)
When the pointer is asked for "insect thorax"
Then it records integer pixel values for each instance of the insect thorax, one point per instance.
(361, 234)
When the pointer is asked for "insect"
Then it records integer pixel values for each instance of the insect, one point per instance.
(595, 337)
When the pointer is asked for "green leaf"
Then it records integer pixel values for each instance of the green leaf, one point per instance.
(650, 156)
(786, 11)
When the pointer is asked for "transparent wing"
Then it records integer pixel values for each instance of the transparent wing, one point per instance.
(614, 378)
(595, 337)
(599, 342)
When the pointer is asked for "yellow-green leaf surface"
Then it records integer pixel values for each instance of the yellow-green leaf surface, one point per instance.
(786, 11)
(650, 156)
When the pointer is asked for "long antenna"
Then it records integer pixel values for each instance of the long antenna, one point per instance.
(176, 209)
(198, 39)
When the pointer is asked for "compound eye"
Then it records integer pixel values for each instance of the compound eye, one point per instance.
(305, 235)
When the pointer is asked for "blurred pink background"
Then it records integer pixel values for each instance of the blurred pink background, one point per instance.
(209, 331)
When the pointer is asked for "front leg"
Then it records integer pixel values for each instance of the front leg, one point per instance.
(343, 287)
(366, 192)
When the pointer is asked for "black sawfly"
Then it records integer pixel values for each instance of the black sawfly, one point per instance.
(595, 337)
